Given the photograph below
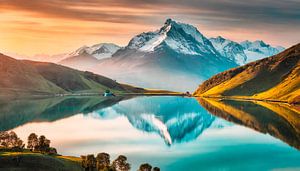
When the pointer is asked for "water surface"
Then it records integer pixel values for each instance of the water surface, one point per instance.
(174, 133)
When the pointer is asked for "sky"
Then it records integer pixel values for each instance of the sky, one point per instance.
(56, 26)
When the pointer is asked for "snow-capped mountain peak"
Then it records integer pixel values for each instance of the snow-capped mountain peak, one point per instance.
(259, 49)
(229, 49)
(245, 51)
(99, 51)
(180, 37)
(78, 51)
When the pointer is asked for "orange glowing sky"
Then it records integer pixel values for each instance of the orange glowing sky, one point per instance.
(57, 26)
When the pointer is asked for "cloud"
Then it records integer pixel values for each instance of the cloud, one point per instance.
(275, 21)
(254, 11)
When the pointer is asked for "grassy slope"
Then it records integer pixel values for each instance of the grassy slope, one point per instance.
(85, 82)
(276, 77)
(22, 77)
(18, 76)
(73, 80)
(289, 88)
(31, 161)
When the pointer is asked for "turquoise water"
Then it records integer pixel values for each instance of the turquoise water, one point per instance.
(173, 133)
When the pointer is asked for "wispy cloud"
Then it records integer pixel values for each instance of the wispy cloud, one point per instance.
(277, 21)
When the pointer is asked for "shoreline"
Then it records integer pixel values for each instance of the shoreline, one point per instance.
(233, 98)
(88, 94)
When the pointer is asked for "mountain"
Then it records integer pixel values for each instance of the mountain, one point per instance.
(181, 38)
(29, 77)
(86, 57)
(273, 78)
(230, 49)
(99, 51)
(177, 52)
(245, 51)
(259, 49)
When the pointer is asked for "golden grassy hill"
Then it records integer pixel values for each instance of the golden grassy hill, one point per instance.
(273, 78)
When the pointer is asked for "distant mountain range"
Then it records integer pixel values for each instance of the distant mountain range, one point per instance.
(273, 78)
(29, 77)
(245, 51)
(98, 51)
(87, 57)
(176, 52)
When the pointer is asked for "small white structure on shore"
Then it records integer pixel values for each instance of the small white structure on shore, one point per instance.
(107, 93)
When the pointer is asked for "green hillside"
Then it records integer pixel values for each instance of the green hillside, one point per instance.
(21, 77)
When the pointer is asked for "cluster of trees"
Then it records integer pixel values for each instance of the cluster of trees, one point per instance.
(102, 163)
(40, 144)
(148, 167)
(35, 143)
(10, 140)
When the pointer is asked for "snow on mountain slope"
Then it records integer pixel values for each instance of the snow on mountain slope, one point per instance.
(182, 38)
(229, 49)
(99, 51)
(85, 58)
(244, 52)
(259, 49)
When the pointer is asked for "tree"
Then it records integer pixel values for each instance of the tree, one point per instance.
(10, 140)
(103, 161)
(145, 167)
(14, 141)
(83, 161)
(120, 164)
(19, 144)
(32, 141)
(156, 169)
(43, 144)
(90, 162)
(4, 136)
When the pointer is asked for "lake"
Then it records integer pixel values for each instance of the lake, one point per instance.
(173, 133)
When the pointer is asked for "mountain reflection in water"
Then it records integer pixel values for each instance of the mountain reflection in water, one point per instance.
(174, 119)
